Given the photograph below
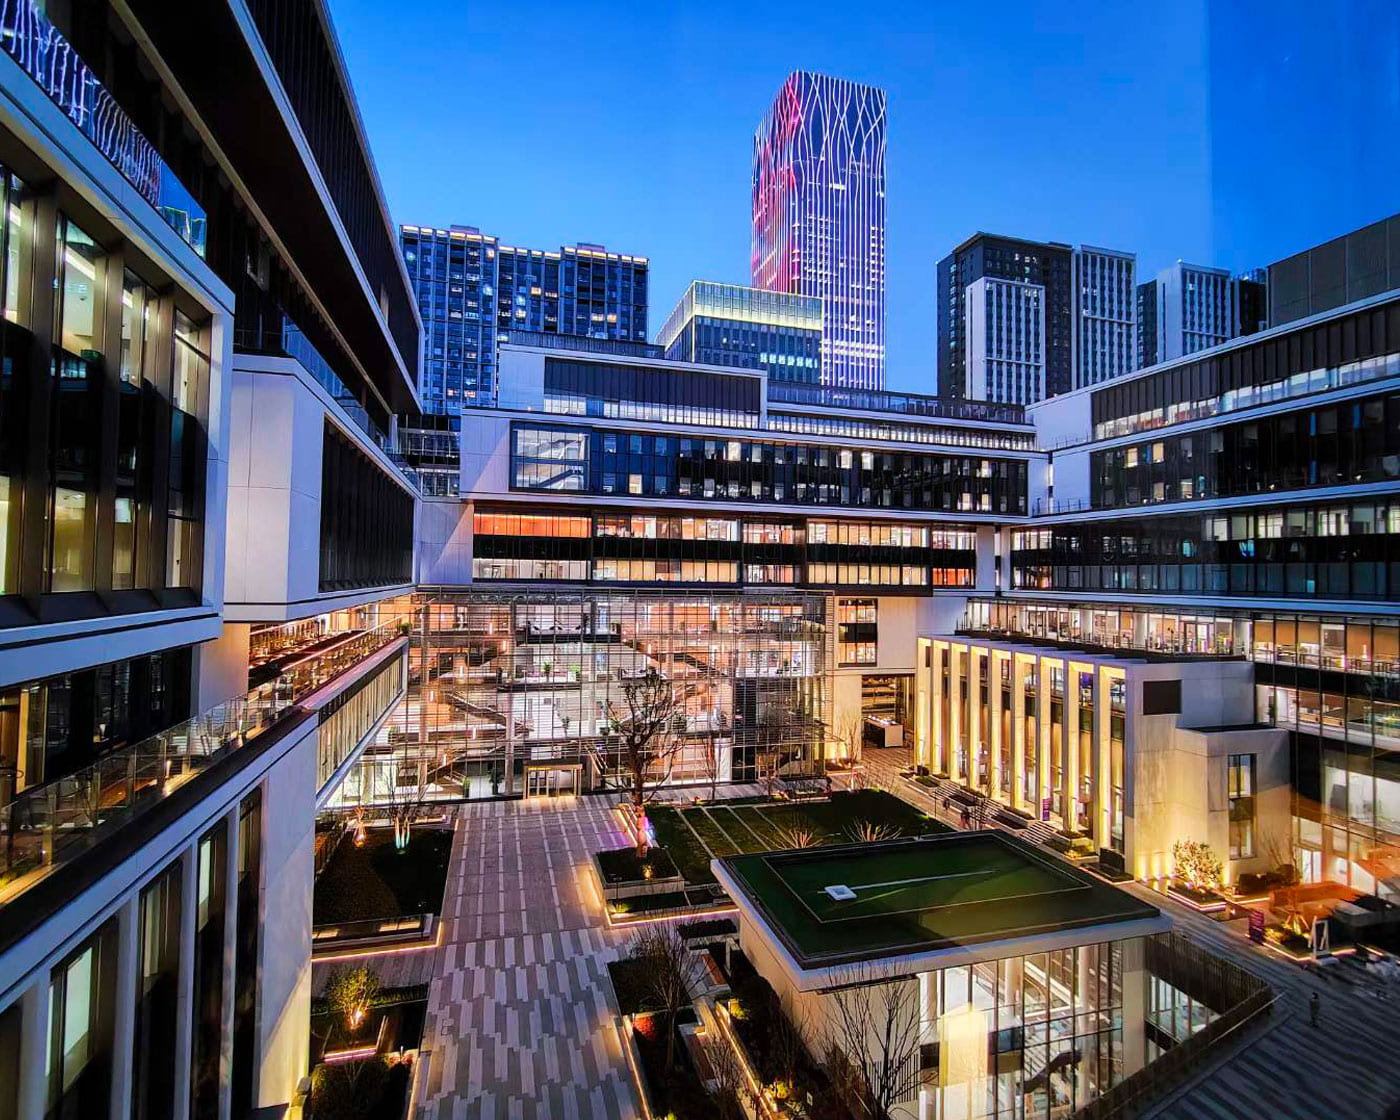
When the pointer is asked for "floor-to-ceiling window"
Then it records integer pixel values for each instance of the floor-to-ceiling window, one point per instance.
(157, 984)
(81, 994)
(208, 1007)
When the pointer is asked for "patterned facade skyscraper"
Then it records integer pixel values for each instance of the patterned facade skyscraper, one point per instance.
(819, 216)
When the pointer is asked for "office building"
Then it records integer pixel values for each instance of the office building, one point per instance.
(819, 216)
(472, 291)
(1104, 282)
(747, 328)
(208, 334)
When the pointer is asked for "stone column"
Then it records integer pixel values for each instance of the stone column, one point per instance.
(33, 1088)
(124, 1005)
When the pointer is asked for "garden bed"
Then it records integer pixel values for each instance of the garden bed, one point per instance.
(624, 874)
(376, 880)
(676, 1092)
(367, 1089)
(704, 897)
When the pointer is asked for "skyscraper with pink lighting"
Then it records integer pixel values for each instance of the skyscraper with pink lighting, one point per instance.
(819, 216)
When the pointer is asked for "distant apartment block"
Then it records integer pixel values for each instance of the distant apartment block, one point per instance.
(1105, 282)
(472, 290)
(746, 328)
(1005, 340)
(1088, 309)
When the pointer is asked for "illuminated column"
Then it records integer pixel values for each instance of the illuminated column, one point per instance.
(1042, 732)
(939, 651)
(1070, 770)
(976, 672)
(1103, 768)
(1018, 732)
(993, 669)
(922, 728)
(957, 659)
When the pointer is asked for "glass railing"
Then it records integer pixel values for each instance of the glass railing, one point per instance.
(52, 824)
(910, 404)
(1304, 384)
(45, 55)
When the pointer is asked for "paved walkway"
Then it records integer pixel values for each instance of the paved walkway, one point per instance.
(520, 1017)
(1289, 1070)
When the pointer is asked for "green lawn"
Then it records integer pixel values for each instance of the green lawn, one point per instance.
(910, 897)
(762, 827)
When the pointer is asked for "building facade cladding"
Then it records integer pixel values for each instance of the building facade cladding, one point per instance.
(747, 328)
(1049, 265)
(1005, 334)
(472, 292)
(818, 216)
(1105, 285)
(1145, 329)
(565, 459)
(1344, 270)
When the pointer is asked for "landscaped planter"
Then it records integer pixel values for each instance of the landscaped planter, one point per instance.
(1200, 898)
(623, 875)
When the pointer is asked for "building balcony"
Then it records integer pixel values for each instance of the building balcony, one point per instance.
(48, 58)
(50, 826)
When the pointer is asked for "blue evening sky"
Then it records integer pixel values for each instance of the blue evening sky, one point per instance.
(1229, 133)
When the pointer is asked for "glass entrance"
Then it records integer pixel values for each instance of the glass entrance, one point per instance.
(551, 781)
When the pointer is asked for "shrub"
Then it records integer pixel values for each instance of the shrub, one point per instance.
(1196, 862)
(348, 1090)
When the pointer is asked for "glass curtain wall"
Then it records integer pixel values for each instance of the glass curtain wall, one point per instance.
(501, 683)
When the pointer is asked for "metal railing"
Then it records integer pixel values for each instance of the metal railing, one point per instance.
(1241, 997)
(51, 824)
(42, 52)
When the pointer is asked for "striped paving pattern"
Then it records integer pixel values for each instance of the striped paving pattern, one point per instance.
(520, 1017)
(1289, 1070)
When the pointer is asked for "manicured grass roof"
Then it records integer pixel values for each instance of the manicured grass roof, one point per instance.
(921, 895)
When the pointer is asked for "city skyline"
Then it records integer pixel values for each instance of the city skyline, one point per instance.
(1198, 170)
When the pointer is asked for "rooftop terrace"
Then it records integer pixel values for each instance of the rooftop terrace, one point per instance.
(922, 895)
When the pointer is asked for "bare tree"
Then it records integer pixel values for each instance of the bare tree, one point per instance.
(711, 764)
(671, 971)
(873, 1038)
(849, 737)
(649, 737)
(403, 800)
(871, 832)
(732, 1098)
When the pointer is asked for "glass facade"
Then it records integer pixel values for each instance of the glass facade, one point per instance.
(1034, 1036)
(819, 216)
(735, 470)
(510, 681)
(1332, 445)
(366, 519)
(672, 396)
(110, 377)
(533, 544)
(1335, 551)
(1350, 350)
